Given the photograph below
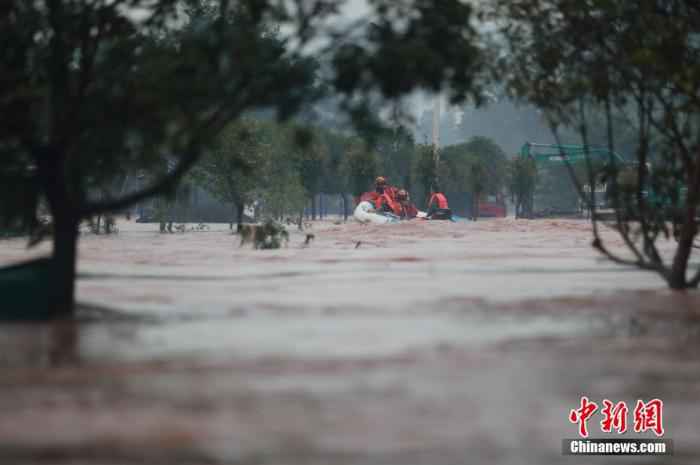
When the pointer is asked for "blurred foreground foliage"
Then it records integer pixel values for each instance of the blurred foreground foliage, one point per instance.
(622, 74)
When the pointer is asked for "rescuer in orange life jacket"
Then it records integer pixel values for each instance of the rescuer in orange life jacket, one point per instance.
(383, 198)
(408, 210)
(372, 196)
(437, 205)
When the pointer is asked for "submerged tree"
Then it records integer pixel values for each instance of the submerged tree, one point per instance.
(280, 189)
(458, 161)
(396, 151)
(477, 166)
(522, 177)
(309, 155)
(360, 167)
(232, 169)
(633, 61)
(425, 170)
(335, 178)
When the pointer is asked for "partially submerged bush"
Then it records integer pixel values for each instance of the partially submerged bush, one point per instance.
(268, 235)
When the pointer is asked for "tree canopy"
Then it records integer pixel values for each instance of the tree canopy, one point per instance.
(631, 65)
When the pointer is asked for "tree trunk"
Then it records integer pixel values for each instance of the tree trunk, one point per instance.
(239, 216)
(61, 286)
(345, 207)
(162, 211)
(108, 223)
(301, 219)
(65, 240)
(313, 207)
(677, 275)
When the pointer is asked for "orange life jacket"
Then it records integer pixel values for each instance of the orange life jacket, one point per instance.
(440, 199)
(387, 199)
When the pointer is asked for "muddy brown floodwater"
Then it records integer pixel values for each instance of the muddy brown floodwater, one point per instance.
(427, 343)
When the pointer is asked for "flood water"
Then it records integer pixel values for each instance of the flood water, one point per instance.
(419, 343)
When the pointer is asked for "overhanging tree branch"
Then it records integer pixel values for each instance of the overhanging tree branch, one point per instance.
(170, 180)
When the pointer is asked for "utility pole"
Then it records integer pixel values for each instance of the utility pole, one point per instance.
(436, 133)
(436, 127)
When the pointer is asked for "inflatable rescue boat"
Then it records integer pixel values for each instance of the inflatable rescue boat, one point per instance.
(365, 213)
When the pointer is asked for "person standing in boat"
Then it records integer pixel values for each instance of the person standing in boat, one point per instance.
(438, 208)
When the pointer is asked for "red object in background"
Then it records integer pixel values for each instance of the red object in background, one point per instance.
(492, 206)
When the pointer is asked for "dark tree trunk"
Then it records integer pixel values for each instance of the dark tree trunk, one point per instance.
(234, 209)
(109, 222)
(65, 241)
(162, 210)
(171, 215)
(345, 207)
(61, 288)
(239, 216)
(301, 219)
(313, 207)
(677, 276)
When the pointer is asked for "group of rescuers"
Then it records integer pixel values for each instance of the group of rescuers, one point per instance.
(390, 199)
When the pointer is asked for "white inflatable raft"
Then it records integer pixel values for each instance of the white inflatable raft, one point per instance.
(365, 213)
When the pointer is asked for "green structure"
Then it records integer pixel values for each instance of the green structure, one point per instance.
(551, 189)
(558, 154)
